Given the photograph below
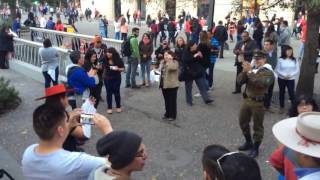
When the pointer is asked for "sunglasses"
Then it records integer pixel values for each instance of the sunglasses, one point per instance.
(220, 159)
(258, 58)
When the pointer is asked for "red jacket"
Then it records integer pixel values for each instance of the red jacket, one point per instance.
(284, 160)
(187, 26)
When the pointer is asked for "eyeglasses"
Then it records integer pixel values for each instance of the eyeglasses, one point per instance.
(141, 153)
(219, 160)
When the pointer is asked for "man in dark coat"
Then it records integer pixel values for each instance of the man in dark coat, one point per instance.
(221, 35)
(272, 59)
(244, 52)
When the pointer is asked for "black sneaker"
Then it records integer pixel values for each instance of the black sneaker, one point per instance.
(128, 86)
(135, 87)
(209, 101)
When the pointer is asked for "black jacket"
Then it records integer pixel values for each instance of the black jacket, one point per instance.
(248, 50)
(192, 68)
(206, 51)
(179, 51)
(6, 42)
(221, 33)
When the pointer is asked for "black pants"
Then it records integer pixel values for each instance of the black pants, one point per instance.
(96, 93)
(221, 49)
(124, 36)
(282, 88)
(48, 79)
(4, 62)
(154, 38)
(170, 100)
(172, 39)
(268, 96)
(239, 70)
(113, 88)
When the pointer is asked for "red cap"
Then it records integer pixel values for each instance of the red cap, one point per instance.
(54, 90)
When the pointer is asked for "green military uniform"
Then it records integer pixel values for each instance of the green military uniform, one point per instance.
(257, 83)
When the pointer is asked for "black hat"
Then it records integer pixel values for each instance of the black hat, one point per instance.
(260, 54)
(120, 146)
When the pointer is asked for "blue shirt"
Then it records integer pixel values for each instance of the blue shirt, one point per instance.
(214, 43)
(60, 164)
(79, 80)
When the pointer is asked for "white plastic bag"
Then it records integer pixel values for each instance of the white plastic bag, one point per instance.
(87, 110)
(154, 76)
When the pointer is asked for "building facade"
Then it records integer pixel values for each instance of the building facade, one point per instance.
(196, 8)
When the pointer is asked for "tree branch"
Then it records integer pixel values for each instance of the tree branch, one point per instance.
(271, 6)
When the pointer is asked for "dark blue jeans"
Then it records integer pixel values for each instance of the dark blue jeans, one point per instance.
(201, 83)
(48, 79)
(209, 75)
(113, 88)
(282, 89)
(195, 37)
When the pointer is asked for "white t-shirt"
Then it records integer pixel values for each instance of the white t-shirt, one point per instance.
(43, 22)
(61, 164)
(313, 176)
(116, 26)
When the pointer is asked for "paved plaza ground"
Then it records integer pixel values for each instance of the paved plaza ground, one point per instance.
(174, 149)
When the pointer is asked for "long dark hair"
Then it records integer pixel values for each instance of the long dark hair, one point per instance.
(284, 50)
(189, 45)
(115, 55)
(293, 111)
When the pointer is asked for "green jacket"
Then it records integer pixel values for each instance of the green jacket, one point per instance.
(257, 84)
(134, 44)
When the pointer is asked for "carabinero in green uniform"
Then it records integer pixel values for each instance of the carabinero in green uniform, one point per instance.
(257, 81)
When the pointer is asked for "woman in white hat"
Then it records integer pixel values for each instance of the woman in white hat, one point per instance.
(283, 158)
(302, 136)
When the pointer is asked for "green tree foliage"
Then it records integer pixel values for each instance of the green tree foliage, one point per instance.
(9, 96)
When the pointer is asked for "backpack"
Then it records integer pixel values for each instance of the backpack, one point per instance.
(126, 48)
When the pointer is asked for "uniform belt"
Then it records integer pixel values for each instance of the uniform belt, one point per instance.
(258, 98)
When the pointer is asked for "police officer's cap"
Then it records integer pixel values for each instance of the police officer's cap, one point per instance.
(260, 54)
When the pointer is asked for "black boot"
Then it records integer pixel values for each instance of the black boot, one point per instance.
(247, 145)
(254, 152)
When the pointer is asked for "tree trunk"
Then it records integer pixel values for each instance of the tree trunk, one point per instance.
(307, 72)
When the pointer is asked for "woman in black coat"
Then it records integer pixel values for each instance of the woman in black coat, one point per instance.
(194, 71)
(6, 47)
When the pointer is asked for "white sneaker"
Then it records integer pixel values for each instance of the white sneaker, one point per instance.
(197, 95)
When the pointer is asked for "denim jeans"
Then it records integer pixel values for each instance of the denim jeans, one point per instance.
(201, 83)
(209, 75)
(195, 37)
(48, 79)
(102, 33)
(117, 35)
(131, 71)
(145, 68)
(282, 88)
(113, 88)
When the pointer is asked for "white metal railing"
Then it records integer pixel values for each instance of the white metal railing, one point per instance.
(28, 52)
(69, 40)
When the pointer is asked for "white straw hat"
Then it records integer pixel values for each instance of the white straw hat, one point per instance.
(301, 134)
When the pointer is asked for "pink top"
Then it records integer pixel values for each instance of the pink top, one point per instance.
(124, 28)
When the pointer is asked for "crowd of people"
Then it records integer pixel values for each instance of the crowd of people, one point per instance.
(58, 154)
